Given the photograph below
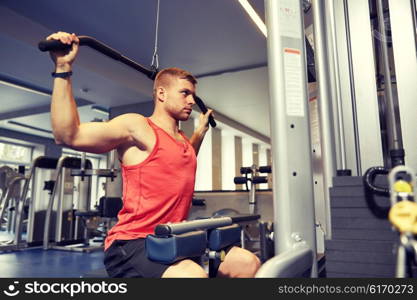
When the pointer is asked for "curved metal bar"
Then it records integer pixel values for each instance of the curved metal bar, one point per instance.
(292, 263)
(57, 176)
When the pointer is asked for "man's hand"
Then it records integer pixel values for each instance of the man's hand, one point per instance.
(200, 131)
(203, 124)
(64, 59)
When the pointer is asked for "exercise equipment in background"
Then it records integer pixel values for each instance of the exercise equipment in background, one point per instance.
(252, 178)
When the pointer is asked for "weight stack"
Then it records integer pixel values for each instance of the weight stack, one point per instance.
(362, 245)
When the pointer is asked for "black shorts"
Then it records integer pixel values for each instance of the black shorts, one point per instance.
(128, 258)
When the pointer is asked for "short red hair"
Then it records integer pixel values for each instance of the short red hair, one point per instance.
(164, 77)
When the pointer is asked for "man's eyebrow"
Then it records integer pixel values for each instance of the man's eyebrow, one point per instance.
(186, 90)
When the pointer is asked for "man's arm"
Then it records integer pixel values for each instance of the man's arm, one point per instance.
(91, 137)
(199, 134)
(64, 114)
(67, 129)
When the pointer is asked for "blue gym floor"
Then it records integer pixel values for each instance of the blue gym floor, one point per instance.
(48, 263)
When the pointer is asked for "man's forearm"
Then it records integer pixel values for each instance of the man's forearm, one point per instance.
(64, 114)
(197, 139)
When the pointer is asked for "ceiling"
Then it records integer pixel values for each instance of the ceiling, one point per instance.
(215, 40)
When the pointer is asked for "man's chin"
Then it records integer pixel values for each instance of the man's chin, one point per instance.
(184, 117)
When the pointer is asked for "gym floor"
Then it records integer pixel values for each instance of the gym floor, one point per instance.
(36, 262)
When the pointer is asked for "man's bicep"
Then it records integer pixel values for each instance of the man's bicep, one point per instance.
(99, 137)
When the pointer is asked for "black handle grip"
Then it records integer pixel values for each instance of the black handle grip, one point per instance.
(240, 180)
(53, 45)
(259, 179)
(372, 190)
(245, 170)
(198, 202)
(203, 109)
(265, 169)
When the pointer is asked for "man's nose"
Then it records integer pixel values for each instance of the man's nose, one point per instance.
(191, 99)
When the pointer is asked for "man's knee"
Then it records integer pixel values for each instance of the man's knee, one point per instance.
(250, 262)
(240, 263)
(185, 269)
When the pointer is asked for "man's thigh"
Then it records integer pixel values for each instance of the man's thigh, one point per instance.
(128, 258)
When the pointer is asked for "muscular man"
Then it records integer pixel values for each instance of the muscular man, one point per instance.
(158, 167)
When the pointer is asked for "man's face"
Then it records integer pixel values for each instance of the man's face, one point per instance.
(180, 98)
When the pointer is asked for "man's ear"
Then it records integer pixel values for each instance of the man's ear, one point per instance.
(161, 93)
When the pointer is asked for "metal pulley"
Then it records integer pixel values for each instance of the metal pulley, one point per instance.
(403, 216)
(403, 212)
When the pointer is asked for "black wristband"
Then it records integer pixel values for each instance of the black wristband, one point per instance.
(61, 75)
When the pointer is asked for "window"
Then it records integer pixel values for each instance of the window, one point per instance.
(14, 154)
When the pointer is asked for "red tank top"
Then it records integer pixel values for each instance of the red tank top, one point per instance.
(157, 190)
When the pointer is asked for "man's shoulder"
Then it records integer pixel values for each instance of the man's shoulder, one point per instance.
(133, 121)
(131, 117)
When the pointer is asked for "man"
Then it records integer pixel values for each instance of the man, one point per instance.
(158, 168)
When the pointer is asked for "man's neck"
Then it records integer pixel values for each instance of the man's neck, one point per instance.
(165, 122)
